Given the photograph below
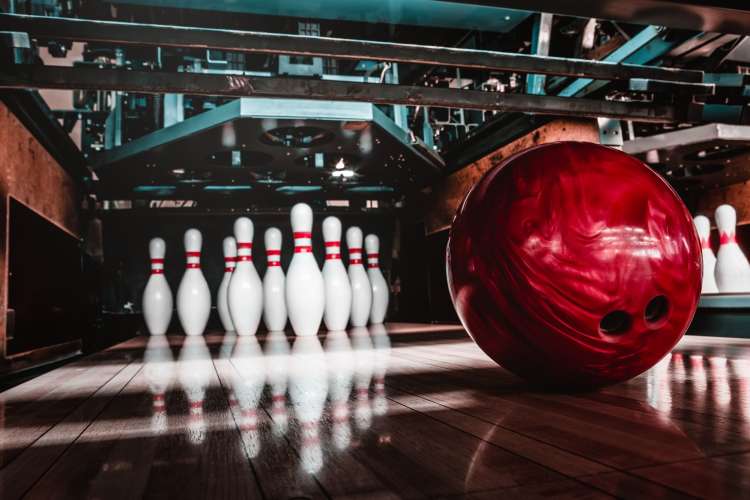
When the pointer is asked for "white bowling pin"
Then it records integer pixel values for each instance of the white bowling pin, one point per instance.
(732, 269)
(222, 304)
(703, 228)
(245, 293)
(361, 290)
(157, 296)
(338, 290)
(193, 295)
(305, 291)
(380, 290)
(274, 299)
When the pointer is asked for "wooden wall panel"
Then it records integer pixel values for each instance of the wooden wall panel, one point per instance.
(29, 174)
(448, 194)
(737, 195)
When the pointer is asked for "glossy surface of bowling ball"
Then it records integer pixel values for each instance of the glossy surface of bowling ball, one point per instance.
(574, 265)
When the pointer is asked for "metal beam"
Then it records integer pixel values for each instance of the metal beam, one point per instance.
(55, 28)
(541, 34)
(153, 82)
(649, 44)
(704, 134)
(674, 88)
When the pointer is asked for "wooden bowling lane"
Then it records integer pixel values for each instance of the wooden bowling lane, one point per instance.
(414, 412)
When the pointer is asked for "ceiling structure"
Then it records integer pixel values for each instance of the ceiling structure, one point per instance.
(264, 103)
(271, 148)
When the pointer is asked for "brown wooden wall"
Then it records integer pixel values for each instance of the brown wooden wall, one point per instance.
(30, 175)
(448, 194)
(737, 195)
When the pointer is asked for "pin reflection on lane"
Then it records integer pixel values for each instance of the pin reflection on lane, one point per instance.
(340, 370)
(308, 389)
(248, 379)
(277, 365)
(363, 365)
(194, 369)
(339, 374)
(159, 371)
(382, 344)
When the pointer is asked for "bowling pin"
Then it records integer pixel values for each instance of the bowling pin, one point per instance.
(732, 270)
(157, 296)
(361, 290)
(703, 228)
(193, 295)
(245, 293)
(305, 291)
(222, 305)
(380, 290)
(338, 290)
(274, 299)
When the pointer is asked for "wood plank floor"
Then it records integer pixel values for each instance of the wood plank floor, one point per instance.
(407, 411)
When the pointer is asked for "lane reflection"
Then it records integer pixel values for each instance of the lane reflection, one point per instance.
(194, 370)
(159, 370)
(340, 371)
(277, 363)
(363, 364)
(247, 383)
(313, 393)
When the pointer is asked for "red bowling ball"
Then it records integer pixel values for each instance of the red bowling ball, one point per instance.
(574, 265)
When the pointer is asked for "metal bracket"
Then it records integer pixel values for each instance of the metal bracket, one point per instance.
(610, 132)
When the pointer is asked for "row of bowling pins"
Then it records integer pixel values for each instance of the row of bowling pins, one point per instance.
(306, 296)
(728, 271)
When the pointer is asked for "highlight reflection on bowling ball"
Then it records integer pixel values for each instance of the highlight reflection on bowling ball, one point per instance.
(574, 265)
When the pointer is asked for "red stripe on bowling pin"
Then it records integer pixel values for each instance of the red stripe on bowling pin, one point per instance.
(157, 266)
(725, 238)
(333, 250)
(302, 242)
(372, 260)
(193, 260)
(244, 251)
(273, 258)
(355, 255)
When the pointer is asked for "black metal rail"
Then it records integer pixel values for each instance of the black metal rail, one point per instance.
(86, 78)
(114, 32)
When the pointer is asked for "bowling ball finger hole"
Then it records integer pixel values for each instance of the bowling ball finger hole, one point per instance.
(656, 310)
(615, 323)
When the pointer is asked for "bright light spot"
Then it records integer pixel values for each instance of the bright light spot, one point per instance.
(340, 164)
(343, 173)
